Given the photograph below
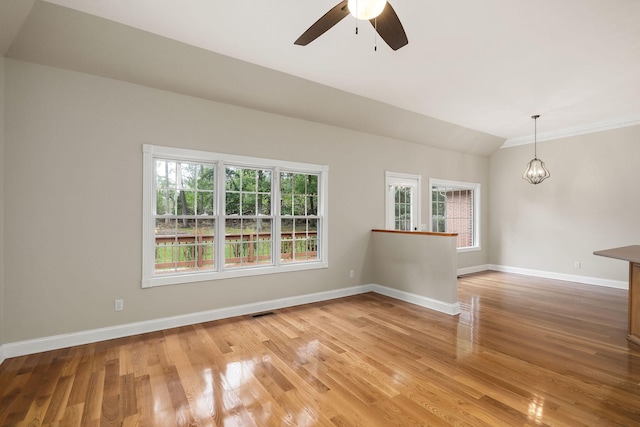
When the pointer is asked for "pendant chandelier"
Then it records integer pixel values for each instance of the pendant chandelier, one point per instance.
(536, 172)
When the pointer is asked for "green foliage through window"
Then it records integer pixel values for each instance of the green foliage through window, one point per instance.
(186, 216)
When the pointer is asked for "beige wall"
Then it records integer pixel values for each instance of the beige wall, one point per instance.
(419, 264)
(590, 202)
(2, 199)
(74, 185)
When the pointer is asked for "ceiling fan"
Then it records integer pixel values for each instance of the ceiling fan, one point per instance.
(378, 12)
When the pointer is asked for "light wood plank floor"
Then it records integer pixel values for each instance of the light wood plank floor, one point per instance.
(524, 351)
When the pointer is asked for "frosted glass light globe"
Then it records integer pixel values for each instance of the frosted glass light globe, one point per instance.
(366, 9)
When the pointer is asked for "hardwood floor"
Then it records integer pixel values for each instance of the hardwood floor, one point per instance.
(524, 351)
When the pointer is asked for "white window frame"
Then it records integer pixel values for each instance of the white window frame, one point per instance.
(475, 187)
(392, 179)
(151, 152)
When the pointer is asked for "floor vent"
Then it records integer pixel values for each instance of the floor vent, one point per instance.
(266, 313)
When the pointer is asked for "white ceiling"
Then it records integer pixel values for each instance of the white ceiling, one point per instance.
(487, 65)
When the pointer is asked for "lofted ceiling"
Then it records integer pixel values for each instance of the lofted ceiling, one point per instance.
(485, 66)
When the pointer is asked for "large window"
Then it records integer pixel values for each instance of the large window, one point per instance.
(455, 208)
(210, 216)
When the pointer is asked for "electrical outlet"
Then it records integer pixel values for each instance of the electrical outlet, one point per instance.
(119, 305)
(352, 274)
(577, 264)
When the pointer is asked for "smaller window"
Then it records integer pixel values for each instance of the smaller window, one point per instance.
(402, 201)
(455, 208)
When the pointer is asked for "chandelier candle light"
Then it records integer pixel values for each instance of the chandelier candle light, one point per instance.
(536, 172)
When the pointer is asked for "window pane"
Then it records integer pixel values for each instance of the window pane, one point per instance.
(264, 204)
(164, 255)
(299, 205)
(300, 184)
(286, 240)
(205, 238)
(286, 226)
(165, 245)
(232, 206)
(248, 204)
(312, 205)
(166, 172)
(264, 241)
(186, 256)
(232, 179)
(304, 245)
(165, 201)
(264, 181)
(186, 175)
(186, 203)
(286, 204)
(312, 184)
(165, 184)
(205, 177)
(186, 227)
(205, 203)
(248, 242)
(249, 180)
(286, 180)
(166, 227)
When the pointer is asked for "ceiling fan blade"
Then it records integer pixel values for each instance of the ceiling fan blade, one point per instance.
(388, 25)
(327, 21)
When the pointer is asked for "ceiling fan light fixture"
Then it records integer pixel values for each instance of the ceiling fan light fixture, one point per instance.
(379, 13)
(366, 9)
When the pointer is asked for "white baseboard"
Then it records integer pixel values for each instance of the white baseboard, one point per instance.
(85, 337)
(425, 302)
(38, 345)
(561, 276)
(474, 269)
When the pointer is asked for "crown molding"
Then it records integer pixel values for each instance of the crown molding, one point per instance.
(574, 131)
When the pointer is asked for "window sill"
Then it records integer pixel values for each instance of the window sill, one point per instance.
(176, 279)
(469, 249)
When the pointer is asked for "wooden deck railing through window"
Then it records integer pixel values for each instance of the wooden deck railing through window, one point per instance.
(196, 251)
